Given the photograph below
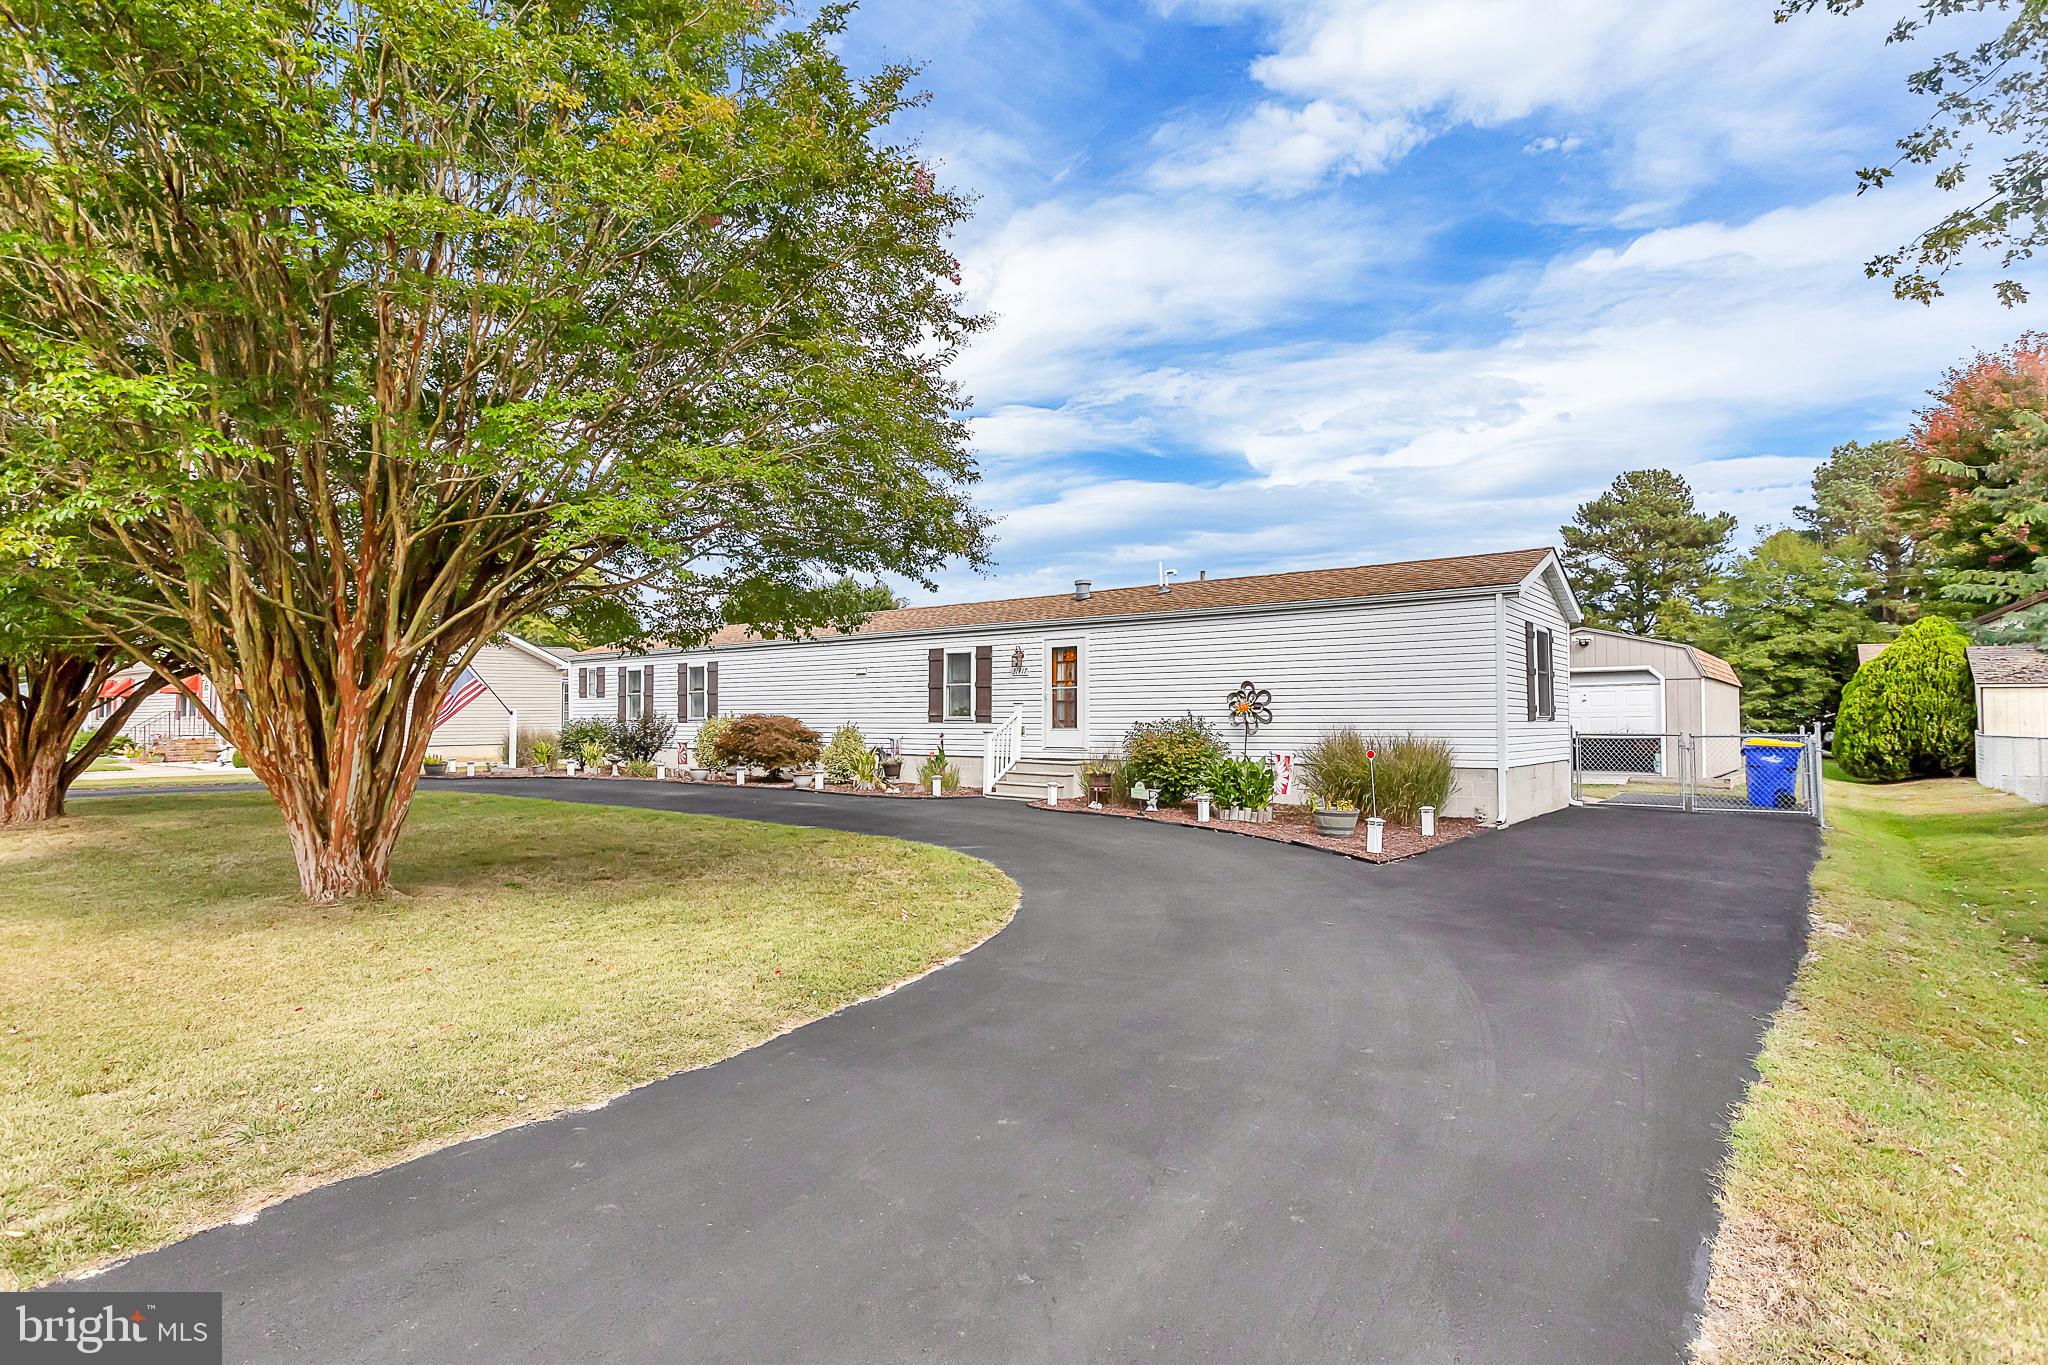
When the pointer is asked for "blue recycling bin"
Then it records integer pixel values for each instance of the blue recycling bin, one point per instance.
(1773, 770)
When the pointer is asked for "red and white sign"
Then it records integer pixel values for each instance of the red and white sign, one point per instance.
(1283, 777)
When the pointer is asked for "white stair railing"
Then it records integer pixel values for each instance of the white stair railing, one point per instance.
(1001, 750)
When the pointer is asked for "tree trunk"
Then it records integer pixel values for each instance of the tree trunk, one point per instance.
(37, 793)
(342, 761)
(44, 703)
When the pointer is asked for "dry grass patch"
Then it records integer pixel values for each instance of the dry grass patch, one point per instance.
(1887, 1195)
(181, 1038)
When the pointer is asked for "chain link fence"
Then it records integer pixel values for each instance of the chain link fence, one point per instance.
(1749, 772)
(2014, 763)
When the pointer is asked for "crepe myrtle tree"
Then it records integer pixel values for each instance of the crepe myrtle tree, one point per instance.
(52, 671)
(361, 331)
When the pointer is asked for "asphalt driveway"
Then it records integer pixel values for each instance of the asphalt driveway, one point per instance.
(1206, 1098)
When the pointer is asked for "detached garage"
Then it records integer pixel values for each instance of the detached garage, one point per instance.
(1635, 685)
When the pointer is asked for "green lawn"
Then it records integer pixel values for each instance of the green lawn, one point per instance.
(1887, 1197)
(182, 1039)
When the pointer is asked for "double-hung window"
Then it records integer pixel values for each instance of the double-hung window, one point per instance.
(636, 693)
(959, 684)
(1546, 679)
(697, 693)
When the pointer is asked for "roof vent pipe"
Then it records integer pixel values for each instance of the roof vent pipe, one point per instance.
(1166, 577)
(1081, 586)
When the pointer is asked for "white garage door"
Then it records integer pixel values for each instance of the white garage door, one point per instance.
(1629, 703)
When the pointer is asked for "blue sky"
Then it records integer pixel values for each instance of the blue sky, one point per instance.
(1280, 285)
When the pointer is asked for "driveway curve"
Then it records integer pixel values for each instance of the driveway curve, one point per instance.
(1205, 1098)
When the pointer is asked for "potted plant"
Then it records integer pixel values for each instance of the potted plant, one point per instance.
(891, 766)
(543, 755)
(1335, 817)
(1100, 774)
(437, 766)
(592, 754)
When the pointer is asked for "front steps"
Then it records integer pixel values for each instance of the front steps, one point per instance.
(1026, 781)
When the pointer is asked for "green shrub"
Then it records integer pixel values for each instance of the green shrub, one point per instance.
(865, 769)
(1240, 783)
(1414, 771)
(770, 742)
(530, 744)
(937, 766)
(706, 749)
(1911, 711)
(639, 767)
(1334, 768)
(591, 753)
(238, 760)
(1173, 757)
(579, 735)
(638, 741)
(842, 757)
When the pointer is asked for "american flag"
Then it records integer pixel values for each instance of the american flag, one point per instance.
(467, 689)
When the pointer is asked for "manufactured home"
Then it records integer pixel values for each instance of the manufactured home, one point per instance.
(1021, 691)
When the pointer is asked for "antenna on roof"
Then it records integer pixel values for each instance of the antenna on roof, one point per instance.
(1165, 577)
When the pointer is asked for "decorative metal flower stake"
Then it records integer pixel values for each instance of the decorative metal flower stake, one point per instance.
(1250, 707)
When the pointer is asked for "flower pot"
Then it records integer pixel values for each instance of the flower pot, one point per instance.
(540, 770)
(1336, 824)
(437, 770)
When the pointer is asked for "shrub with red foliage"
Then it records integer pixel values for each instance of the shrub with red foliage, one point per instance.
(771, 742)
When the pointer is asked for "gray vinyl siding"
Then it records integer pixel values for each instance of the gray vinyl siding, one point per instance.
(1421, 665)
(1538, 741)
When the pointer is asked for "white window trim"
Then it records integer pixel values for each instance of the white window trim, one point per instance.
(1546, 674)
(696, 691)
(946, 712)
(636, 693)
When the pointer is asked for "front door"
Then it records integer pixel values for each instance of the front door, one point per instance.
(1063, 701)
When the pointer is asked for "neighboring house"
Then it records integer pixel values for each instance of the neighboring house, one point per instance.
(513, 686)
(1636, 685)
(1438, 647)
(2012, 689)
(2012, 718)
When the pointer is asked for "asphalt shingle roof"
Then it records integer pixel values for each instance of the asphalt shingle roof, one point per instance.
(1504, 569)
(2005, 665)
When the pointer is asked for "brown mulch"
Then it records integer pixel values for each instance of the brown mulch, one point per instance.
(1293, 825)
(891, 791)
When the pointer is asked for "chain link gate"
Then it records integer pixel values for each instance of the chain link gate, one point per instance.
(1750, 772)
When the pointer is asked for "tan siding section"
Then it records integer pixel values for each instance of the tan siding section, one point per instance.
(517, 680)
(2012, 711)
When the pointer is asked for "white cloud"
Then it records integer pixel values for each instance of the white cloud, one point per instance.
(1673, 93)
(1281, 149)
(1682, 348)
(1074, 282)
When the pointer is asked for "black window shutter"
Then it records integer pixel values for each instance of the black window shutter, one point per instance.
(622, 694)
(682, 691)
(1529, 664)
(935, 685)
(647, 690)
(711, 688)
(582, 682)
(600, 679)
(984, 683)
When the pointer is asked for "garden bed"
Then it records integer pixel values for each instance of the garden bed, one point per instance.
(891, 790)
(1290, 825)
